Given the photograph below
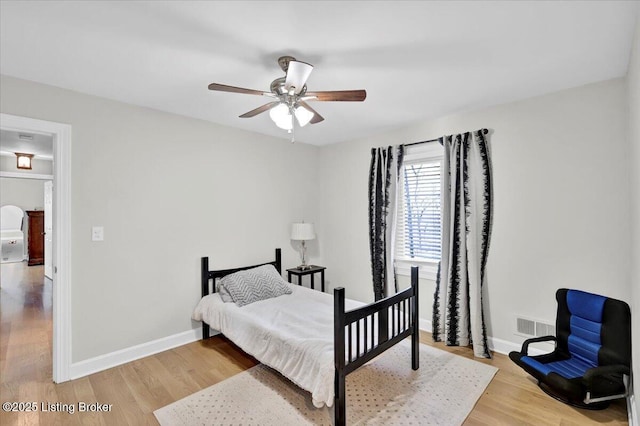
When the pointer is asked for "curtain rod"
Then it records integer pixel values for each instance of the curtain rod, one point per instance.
(485, 131)
(416, 143)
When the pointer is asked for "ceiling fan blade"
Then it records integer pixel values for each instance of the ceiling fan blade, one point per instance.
(259, 110)
(233, 89)
(297, 75)
(316, 117)
(339, 95)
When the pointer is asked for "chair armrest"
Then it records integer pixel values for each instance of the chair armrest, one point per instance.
(605, 370)
(525, 345)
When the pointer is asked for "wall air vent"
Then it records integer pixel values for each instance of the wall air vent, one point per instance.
(543, 329)
(528, 327)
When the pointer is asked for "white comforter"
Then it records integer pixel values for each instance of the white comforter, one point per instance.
(292, 333)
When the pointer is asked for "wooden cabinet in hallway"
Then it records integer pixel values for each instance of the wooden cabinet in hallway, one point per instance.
(36, 237)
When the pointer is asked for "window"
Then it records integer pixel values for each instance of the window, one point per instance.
(421, 210)
(418, 226)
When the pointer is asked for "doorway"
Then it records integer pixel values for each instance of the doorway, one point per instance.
(48, 229)
(26, 300)
(60, 245)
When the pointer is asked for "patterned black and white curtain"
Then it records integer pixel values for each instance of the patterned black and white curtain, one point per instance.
(458, 313)
(383, 183)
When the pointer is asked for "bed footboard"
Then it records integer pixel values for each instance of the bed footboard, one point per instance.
(364, 333)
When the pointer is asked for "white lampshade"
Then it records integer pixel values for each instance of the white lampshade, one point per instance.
(281, 115)
(303, 231)
(297, 75)
(303, 115)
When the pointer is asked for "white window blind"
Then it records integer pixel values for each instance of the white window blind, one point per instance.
(418, 227)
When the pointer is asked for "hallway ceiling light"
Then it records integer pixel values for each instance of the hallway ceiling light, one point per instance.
(24, 160)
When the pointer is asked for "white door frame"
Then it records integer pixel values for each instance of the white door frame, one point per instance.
(61, 233)
(48, 228)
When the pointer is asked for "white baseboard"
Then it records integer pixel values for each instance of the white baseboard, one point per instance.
(113, 359)
(504, 347)
(425, 325)
(496, 345)
(103, 362)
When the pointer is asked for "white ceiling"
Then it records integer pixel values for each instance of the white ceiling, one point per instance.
(417, 60)
(39, 145)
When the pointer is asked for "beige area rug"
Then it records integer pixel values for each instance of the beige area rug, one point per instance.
(443, 391)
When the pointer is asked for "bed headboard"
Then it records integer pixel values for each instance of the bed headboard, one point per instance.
(207, 275)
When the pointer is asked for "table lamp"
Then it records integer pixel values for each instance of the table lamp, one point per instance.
(303, 232)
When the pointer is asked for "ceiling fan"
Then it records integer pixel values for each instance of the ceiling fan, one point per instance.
(290, 96)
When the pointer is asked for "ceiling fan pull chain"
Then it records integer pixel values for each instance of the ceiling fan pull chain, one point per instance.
(293, 123)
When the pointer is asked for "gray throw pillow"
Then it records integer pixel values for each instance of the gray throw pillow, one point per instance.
(252, 285)
(224, 294)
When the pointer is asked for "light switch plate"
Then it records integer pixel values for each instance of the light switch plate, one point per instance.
(97, 233)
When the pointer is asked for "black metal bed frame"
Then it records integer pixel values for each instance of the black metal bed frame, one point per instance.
(396, 318)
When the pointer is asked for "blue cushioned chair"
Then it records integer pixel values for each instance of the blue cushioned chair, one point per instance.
(591, 362)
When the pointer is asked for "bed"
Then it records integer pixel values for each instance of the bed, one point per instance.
(294, 333)
(11, 234)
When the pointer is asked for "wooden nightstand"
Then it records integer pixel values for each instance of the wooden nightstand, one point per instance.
(311, 270)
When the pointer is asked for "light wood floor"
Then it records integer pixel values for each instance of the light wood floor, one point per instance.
(138, 388)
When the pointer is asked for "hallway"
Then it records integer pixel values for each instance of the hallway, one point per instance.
(26, 324)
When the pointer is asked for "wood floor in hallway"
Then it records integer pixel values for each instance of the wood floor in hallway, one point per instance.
(137, 388)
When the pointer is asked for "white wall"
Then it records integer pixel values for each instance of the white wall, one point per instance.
(168, 190)
(561, 205)
(28, 194)
(633, 82)
(38, 165)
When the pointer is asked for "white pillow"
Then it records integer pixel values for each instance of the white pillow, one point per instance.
(252, 285)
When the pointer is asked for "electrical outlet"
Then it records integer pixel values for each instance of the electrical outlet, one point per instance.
(97, 233)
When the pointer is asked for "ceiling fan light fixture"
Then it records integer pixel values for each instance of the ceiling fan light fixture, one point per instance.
(285, 124)
(289, 96)
(278, 112)
(303, 115)
(281, 116)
